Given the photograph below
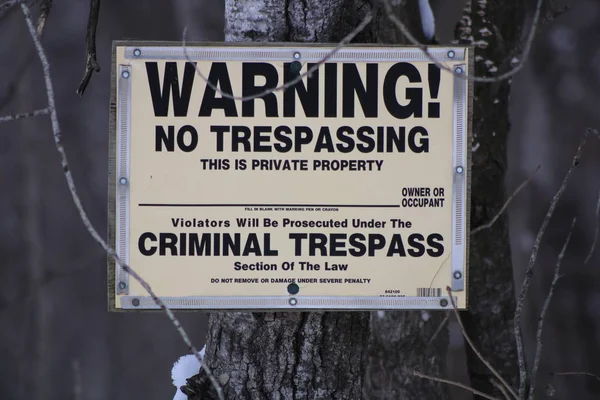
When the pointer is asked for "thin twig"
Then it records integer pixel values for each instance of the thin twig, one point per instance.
(457, 384)
(471, 77)
(7, 4)
(288, 84)
(593, 249)
(91, 64)
(532, 259)
(439, 328)
(501, 388)
(538, 336)
(578, 373)
(505, 205)
(44, 11)
(36, 113)
(83, 214)
(474, 348)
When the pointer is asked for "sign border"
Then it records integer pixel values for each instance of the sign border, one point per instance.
(118, 171)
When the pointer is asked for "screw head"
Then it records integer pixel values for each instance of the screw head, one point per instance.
(122, 285)
(137, 52)
(459, 170)
(293, 301)
(293, 288)
(296, 55)
(125, 74)
(443, 302)
(135, 302)
(457, 274)
(451, 54)
(123, 181)
(458, 70)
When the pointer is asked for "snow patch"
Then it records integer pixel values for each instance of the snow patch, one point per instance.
(184, 368)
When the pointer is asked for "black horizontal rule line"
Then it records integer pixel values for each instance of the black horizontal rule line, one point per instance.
(271, 205)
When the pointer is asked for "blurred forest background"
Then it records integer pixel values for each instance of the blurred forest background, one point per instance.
(54, 327)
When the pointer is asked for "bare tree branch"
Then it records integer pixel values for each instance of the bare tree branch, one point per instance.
(44, 11)
(501, 388)
(36, 113)
(505, 206)
(7, 4)
(457, 384)
(538, 349)
(578, 373)
(471, 77)
(294, 81)
(532, 259)
(83, 214)
(595, 241)
(475, 350)
(91, 64)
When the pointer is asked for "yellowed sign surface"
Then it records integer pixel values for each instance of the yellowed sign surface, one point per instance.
(342, 187)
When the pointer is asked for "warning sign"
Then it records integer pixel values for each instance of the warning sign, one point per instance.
(266, 178)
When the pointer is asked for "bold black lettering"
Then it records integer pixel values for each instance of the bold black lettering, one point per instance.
(308, 95)
(219, 130)
(376, 242)
(414, 95)
(347, 144)
(287, 141)
(252, 246)
(392, 139)
(199, 247)
(167, 241)
(434, 241)
(193, 138)
(146, 251)
(302, 135)
(259, 139)
(297, 238)
(324, 141)
(219, 78)
(423, 145)
(414, 241)
(368, 143)
(232, 244)
(161, 98)
(243, 139)
(162, 137)
(249, 72)
(367, 95)
(337, 246)
(318, 241)
(359, 248)
(396, 246)
(331, 91)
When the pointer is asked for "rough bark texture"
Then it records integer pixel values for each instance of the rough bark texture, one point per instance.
(495, 28)
(312, 355)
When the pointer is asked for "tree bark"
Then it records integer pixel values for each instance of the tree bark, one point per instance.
(309, 355)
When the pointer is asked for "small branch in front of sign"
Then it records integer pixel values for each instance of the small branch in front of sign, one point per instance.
(56, 133)
(36, 113)
(595, 241)
(475, 350)
(44, 11)
(91, 64)
(290, 83)
(506, 204)
(538, 336)
(471, 77)
(457, 384)
(532, 260)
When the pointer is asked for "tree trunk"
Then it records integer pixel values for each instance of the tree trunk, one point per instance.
(305, 355)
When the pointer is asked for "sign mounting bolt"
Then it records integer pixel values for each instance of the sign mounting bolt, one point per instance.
(443, 302)
(457, 275)
(123, 181)
(459, 170)
(137, 52)
(458, 70)
(125, 74)
(451, 54)
(296, 55)
(122, 285)
(293, 301)
(135, 302)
